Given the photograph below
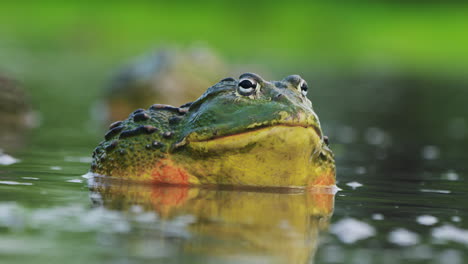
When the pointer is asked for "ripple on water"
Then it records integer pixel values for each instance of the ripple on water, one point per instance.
(89, 175)
(15, 183)
(435, 191)
(77, 217)
(75, 181)
(6, 159)
(10, 215)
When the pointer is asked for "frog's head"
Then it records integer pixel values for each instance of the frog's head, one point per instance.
(239, 106)
(253, 117)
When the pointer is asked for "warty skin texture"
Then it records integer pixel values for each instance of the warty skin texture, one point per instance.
(245, 132)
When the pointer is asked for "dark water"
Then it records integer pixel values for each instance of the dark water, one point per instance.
(48, 214)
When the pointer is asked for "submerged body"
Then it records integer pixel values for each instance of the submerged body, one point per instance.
(274, 227)
(246, 132)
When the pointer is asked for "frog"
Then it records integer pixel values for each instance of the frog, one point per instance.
(17, 115)
(167, 75)
(245, 132)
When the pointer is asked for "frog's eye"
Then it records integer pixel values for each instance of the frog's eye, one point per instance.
(247, 86)
(302, 87)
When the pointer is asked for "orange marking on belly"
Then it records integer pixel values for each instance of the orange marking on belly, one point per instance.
(166, 171)
(326, 179)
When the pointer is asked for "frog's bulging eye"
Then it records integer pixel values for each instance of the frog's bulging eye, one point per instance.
(303, 88)
(247, 86)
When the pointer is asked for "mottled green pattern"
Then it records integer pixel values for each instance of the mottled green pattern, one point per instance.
(130, 154)
(134, 146)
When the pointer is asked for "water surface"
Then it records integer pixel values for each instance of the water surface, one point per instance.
(50, 213)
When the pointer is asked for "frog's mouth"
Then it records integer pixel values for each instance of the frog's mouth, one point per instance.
(275, 138)
(248, 126)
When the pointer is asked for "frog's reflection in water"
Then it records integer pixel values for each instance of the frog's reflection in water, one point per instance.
(240, 225)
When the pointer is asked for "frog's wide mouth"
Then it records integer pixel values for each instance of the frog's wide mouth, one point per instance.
(254, 130)
(249, 126)
(281, 135)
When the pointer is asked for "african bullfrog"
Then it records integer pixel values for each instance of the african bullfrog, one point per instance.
(245, 132)
(16, 114)
(168, 75)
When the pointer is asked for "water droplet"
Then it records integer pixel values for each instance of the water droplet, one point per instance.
(354, 184)
(427, 220)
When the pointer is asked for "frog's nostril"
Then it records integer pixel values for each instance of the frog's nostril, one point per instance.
(278, 97)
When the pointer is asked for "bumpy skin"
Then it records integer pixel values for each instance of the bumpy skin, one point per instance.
(267, 136)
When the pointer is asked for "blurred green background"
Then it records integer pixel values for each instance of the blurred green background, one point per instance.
(388, 80)
(396, 67)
